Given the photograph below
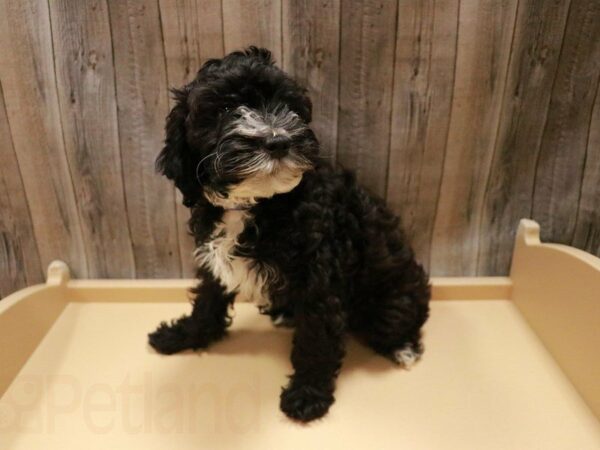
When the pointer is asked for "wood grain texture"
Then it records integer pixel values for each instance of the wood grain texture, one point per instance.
(509, 193)
(86, 92)
(192, 34)
(19, 257)
(142, 99)
(29, 85)
(465, 115)
(368, 33)
(587, 226)
(311, 52)
(560, 166)
(252, 22)
(423, 82)
(484, 37)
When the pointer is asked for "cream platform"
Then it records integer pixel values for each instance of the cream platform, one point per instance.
(510, 363)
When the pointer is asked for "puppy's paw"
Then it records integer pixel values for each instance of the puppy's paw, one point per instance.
(305, 402)
(180, 334)
(184, 334)
(283, 321)
(407, 356)
(168, 339)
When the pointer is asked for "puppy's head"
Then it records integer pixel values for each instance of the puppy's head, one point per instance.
(238, 132)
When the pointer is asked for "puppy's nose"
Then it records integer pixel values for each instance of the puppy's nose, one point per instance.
(278, 145)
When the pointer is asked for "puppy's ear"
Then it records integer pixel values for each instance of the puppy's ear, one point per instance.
(175, 161)
(306, 110)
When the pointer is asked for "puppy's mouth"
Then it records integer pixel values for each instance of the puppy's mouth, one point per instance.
(264, 163)
(259, 181)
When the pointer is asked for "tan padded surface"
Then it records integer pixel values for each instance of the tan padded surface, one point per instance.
(485, 382)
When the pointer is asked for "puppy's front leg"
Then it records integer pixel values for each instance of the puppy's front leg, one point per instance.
(318, 349)
(205, 325)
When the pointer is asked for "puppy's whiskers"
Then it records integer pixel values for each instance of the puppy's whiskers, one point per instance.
(219, 156)
(252, 165)
(200, 163)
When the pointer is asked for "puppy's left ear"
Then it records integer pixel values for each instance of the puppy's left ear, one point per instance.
(175, 161)
(306, 111)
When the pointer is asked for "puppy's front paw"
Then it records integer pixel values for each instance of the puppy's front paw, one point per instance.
(168, 339)
(305, 402)
(184, 334)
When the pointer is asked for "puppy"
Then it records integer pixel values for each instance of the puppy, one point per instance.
(276, 224)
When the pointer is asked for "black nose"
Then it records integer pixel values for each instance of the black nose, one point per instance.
(278, 145)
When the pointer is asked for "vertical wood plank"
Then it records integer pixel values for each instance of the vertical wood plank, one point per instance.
(142, 99)
(484, 42)
(311, 52)
(587, 226)
(28, 80)
(86, 92)
(19, 258)
(368, 33)
(252, 22)
(192, 34)
(423, 82)
(534, 58)
(560, 166)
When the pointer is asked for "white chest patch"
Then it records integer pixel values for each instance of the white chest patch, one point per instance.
(236, 273)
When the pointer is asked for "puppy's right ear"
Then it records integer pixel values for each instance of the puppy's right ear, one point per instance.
(175, 161)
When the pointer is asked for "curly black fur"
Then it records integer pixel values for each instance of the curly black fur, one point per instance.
(342, 262)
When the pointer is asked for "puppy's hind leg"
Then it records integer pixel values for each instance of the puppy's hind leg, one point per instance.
(280, 317)
(206, 324)
(390, 322)
(392, 329)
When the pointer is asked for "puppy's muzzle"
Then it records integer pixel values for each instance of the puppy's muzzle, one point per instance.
(278, 146)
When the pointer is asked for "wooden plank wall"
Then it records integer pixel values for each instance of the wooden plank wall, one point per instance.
(464, 115)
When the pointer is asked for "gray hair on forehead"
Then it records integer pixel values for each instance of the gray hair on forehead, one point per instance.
(253, 123)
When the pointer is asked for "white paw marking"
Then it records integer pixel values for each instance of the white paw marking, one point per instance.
(278, 321)
(406, 357)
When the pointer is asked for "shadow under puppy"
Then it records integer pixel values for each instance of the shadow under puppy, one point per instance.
(278, 225)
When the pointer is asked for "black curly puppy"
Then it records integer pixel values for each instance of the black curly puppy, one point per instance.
(277, 225)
